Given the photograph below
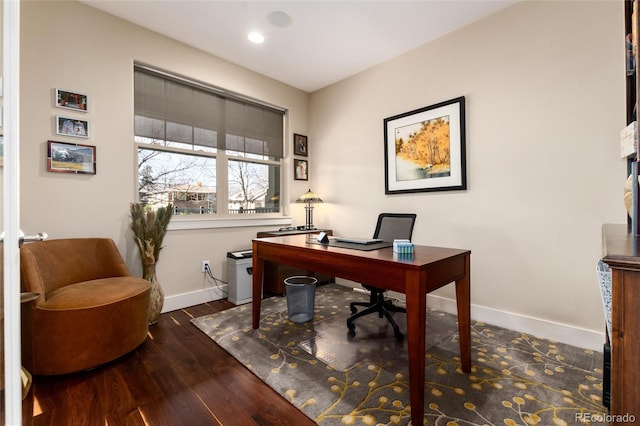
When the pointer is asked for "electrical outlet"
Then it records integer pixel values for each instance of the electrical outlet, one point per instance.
(205, 266)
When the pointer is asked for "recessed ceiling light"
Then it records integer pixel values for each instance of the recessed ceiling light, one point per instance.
(255, 37)
(279, 19)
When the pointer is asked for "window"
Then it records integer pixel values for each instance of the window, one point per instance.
(205, 151)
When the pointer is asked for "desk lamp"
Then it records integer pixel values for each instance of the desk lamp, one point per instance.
(309, 198)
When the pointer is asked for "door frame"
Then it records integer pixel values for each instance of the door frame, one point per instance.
(11, 210)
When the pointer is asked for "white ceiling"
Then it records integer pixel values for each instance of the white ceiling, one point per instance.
(327, 41)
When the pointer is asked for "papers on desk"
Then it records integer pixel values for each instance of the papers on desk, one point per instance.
(333, 242)
(355, 240)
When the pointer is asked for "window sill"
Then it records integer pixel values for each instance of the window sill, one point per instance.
(180, 223)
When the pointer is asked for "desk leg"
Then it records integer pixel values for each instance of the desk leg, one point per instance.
(463, 301)
(258, 275)
(416, 296)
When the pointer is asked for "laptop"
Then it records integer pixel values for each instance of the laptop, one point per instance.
(356, 240)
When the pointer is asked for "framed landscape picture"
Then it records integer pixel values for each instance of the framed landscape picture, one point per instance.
(71, 158)
(424, 149)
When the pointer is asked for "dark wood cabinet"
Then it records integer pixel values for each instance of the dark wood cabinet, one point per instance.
(631, 98)
(274, 273)
(621, 245)
(622, 254)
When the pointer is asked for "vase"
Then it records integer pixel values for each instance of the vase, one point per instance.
(157, 295)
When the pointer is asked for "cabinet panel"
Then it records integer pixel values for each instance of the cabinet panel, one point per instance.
(622, 255)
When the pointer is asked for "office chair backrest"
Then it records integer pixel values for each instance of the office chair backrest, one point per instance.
(395, 226)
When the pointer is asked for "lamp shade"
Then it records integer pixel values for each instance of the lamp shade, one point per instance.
(309, 197)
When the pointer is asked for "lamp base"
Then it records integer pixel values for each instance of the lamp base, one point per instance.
(309, 224)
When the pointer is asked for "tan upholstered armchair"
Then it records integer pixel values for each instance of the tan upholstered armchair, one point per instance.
(90, 310)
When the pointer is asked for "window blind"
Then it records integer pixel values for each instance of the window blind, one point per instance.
(173, 110)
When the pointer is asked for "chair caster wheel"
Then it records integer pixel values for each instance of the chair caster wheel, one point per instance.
(399, 336)
(351, 326)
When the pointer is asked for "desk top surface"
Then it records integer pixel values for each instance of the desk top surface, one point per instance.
(422, 255)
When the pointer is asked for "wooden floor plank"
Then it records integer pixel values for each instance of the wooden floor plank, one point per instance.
(178, 376)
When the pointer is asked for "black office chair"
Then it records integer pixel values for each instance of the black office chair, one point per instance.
(390, 226)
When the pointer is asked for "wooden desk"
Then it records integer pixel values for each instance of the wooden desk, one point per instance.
(622, 254)
(429, 269)
(275, 273)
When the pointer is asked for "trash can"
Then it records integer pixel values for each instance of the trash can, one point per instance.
(301, 297)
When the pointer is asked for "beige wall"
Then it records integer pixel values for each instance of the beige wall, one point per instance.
(72, 46)
(545, 103)
(544, 86)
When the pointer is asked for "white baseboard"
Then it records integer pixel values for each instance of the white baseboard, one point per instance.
(575, 336)
(563, 333)
(184, 300)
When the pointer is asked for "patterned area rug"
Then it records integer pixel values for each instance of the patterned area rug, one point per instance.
(516, 379)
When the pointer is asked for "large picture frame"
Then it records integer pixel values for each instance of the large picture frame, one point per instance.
(66, 157)
(424, 149)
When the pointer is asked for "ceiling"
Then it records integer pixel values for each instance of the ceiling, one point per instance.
(326, 41)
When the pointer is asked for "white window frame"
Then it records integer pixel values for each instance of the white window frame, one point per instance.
(222, 218)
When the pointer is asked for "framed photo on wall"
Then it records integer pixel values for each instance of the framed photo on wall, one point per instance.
(72, 100)
(300, 145)
(65, 157)
(68, 126)
(424, 149)
(300, 169)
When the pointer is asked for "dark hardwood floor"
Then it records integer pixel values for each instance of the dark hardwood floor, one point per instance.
(177, 377)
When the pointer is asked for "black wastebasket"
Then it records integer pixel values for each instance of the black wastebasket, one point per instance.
(301, 296)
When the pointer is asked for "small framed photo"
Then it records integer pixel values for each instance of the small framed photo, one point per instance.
(68, 126)
(65, 157)
(424, 149)
(300, 169)
(300, 145)
(72, 100)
